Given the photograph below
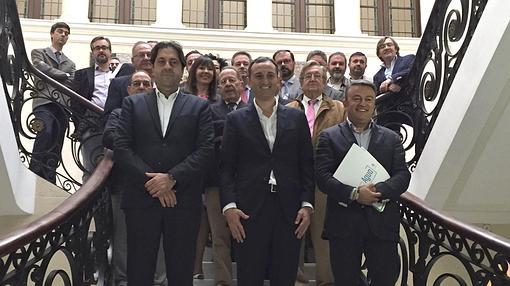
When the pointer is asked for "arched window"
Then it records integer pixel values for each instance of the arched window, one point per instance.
(139, 12)
(214, 14)
(399, 18)
(304, 16)
(39, 9)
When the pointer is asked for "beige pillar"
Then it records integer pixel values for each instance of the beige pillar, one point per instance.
(259, 16)
(347, 17)
(75, 11)
(169, 14)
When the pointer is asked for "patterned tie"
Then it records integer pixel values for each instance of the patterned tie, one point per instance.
(231, 106)
(57, 55)
(310, 114)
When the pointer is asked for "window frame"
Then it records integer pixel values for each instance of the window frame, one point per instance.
(384, 24)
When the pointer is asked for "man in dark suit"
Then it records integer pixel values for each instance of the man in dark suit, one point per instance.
(140, 58)
(50, 111)
(352, 225)
(164, 145)
(391, 79)
(267, 181)
(230, 87)
(92, 83)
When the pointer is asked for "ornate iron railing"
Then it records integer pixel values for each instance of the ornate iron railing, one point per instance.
(439, 55)
(23, 85)
(79, 230)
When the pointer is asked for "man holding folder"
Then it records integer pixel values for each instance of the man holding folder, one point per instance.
(352, 226)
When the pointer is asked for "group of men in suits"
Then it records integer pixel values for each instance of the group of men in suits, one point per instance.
(269, 190)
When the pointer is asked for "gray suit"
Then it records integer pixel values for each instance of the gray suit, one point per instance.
(46, 153)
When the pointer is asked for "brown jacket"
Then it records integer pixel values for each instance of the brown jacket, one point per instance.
(330, 113)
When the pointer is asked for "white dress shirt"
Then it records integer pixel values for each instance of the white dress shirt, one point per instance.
(101, 83)
(165, 105)
(316, 106)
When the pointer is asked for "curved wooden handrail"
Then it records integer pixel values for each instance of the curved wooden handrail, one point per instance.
(30, 232)
(485, 237)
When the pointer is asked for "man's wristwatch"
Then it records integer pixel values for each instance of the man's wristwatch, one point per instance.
(354, 194)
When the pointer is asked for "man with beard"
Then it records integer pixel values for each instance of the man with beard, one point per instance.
(140, 57)
(290, 83)
(357, 66)
(92, 83)
(336, 68)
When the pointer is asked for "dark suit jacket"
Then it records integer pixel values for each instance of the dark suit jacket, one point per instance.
(247, 161)
(219, 111)
(386, 147)
(400, 71)
(46, 61)
(117, 90)
(184, 152)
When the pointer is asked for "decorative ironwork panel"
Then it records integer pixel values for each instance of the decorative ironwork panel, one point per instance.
(233, 14)
(284, 15)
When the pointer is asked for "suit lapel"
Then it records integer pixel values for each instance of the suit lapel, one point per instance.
(254, 121)
(347, 133)
(375, 137)
(152, 105)
(179, 103)
(51, 55)
(91, 76)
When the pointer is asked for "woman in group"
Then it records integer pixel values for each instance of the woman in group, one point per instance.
(202, 79)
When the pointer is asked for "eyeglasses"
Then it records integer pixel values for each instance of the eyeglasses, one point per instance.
(232, 80)
(141, 83)
(99, 48)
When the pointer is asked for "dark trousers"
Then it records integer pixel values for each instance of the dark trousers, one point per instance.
(46, 153)
(270, 245)
(381, 258)
(179, 228)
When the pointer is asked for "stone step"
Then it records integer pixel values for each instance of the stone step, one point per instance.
(208, 267)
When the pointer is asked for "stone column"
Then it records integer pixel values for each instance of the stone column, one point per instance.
(76, 11)
(347, 17)
(259, 16)
(169, 14)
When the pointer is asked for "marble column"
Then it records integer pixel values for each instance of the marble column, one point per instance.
(347, 17)
(75, 11)
(259, 16)
(169, 14)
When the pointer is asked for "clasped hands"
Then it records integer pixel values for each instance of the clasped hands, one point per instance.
(160, 186)
(368, 194)
(234, 216)
(389, 86)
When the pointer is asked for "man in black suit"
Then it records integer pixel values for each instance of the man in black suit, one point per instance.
(267, 181)
(164, 145)
(49, 104)
(352, 225)
(140, 58)
(92, 83)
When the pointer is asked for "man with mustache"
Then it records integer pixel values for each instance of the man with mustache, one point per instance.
(290, 83)
(357, 66)
(92, 83)
(336, 68)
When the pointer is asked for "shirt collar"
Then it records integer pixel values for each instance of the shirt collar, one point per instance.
(261, 113)
(391, 65)
(161, 96)
(306, 99)
(352, 127)
(237, 102)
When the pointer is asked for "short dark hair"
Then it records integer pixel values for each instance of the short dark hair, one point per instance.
(98, 38)
(357, 54)
(263, 60)
(337, 54)
(191, 84)
(381, 41)
(317, 53)
(192, 52)
(239, 53)
(361, 82)
(168, 45)
(221, 61)
(283, 51)
(60, 25)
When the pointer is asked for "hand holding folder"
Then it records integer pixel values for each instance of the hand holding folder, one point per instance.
(359, 167)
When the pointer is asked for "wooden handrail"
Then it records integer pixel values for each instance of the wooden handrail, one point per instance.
(30, 232)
